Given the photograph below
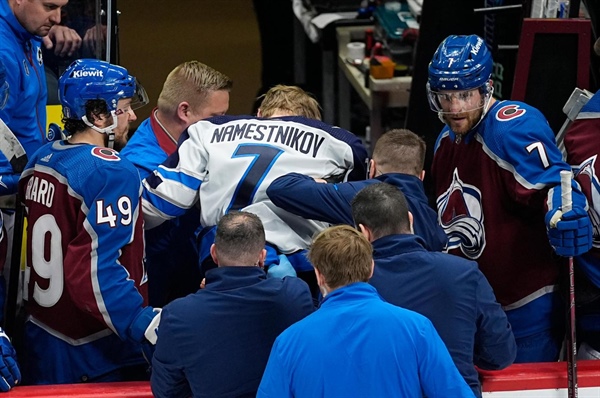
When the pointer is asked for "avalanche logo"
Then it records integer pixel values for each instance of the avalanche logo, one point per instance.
(461, 216)
(509, 112)
(106, 154)
(585, 174)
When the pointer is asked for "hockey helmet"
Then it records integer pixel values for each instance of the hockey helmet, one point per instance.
(92, 79)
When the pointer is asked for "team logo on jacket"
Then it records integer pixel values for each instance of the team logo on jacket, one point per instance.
(461, 216)
(40, 58)
(509, 112)
(585, 174)
(106, 153)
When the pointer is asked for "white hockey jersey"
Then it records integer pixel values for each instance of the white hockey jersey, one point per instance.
(229, 161)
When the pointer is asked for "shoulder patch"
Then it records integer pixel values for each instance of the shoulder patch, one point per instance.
(509, 112)
(106, 154)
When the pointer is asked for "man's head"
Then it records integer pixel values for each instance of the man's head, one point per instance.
(37, 16)
(98, 95)
(289, 101)
(380, 210)
(459, 86)
(3, 86)
(194, 91)
(398, 151)
(341, 255)
(239, 241)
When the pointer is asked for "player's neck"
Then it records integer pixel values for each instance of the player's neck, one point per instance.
(88, 136)
(169, 126)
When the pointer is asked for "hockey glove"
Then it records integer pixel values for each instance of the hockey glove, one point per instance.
(281, 270)
(572, 234)
(10, 375)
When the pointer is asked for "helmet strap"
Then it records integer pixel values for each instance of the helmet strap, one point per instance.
(109, 130)
(486, 106)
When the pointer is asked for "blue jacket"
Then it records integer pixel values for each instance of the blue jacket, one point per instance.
(357, 345)
(216, 342)
(301, 195)
(453, 294)
(25, 111)
(171, 250)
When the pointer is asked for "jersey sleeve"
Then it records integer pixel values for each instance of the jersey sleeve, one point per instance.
(301, 195)
(495, 346)
(112, 222)
(524, 144)
(173, 187)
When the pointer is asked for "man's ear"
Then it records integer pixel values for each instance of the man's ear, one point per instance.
(262, 258)
(366, 231)
(410, 222)
(372, 168)
(183, 110)
(422, 176)
(258, 113)
(213, 253)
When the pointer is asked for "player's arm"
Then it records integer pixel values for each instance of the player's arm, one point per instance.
(173, 187)
(168, 377)
(495, 346)
(530, 152)
(113, 222)
(302, 195)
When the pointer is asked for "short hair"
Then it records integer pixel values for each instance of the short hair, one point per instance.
(289, 99)
(93, 110)
(342, 255)
(401, 151)
(383, 208)
(240, 237)
(191, 81)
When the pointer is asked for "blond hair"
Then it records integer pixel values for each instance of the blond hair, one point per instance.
(342, 255)
(191, 82)
(291, 100)
(400, 151)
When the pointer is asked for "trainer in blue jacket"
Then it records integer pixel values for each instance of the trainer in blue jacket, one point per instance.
(216, 342)
(398, 159)
(356, 344)
(447, 289)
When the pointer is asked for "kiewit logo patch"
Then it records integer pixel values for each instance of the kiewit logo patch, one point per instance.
(87, 73)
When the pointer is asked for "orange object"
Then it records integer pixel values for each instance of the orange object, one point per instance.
(382, 67)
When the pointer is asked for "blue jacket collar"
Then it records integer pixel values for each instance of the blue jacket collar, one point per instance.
(406, 182)
(225, 278)
(353, 291)
(397, 244)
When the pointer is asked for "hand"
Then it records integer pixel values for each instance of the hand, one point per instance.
(572, 235)
(64, 40)
(10, 375)
(152, 329)
(91, 37)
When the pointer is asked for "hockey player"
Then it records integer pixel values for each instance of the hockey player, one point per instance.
(581, 144)
(85, 280)
(230, 161)
(191, 92)
(496, 172)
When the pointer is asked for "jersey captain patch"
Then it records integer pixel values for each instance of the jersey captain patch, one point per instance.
(509, 112)
(106, 154)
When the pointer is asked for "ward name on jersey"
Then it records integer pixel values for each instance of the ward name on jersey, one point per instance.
(231, 160)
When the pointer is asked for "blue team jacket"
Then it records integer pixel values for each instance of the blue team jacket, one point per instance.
(301, 195)
(453, 294)
(25, 111)
(357, 345)
(216, 342)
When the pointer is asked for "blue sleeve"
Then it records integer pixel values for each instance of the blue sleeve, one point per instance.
(438, 375)
(495, 346)
(114, 211)
(168, 376)
(303, 196)
(275, 382)
(8, 183)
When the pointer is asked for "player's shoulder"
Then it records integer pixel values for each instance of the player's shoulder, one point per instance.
(515, 113)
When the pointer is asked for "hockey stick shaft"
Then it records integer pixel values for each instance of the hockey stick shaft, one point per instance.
(567, 205)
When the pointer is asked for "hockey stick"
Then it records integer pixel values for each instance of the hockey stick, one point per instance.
(567, 205)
